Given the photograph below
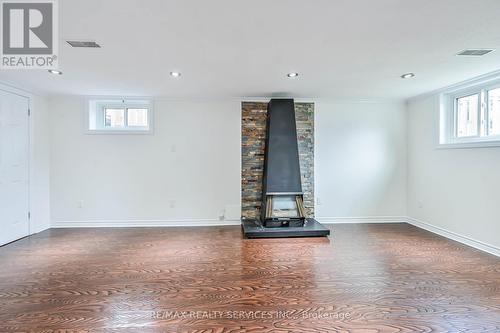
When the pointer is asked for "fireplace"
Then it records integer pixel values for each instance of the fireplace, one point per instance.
(282, 212)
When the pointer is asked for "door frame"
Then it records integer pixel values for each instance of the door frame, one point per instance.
(22, 93)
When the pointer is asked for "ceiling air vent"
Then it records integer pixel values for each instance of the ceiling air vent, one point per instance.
(79, 43)
(475, 52)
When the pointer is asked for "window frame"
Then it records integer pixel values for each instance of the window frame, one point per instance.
(95, 122)
(448, 136)
(487, 107)
(455, 116)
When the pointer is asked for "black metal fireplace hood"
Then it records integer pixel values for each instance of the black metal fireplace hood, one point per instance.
(282, 197)
(282, 209)
(281, 161)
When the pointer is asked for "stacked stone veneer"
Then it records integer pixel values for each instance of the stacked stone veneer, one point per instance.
(253, 136)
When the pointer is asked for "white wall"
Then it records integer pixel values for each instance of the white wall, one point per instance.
(187, 171)
(453, 189)
(360, 161)
(40, 164)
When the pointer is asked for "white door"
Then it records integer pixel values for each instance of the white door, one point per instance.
(14, 168)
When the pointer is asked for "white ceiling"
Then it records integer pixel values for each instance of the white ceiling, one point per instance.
(234, 48)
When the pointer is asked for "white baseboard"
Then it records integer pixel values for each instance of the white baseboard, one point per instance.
(456, 237)
(362, 219)
(143, 223)
(210, 222)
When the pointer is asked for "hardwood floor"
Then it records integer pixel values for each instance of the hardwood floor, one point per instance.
(365, 278)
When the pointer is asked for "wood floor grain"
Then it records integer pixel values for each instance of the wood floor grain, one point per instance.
(366, 278)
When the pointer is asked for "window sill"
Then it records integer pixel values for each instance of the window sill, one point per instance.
(465, 145)
(119, 132)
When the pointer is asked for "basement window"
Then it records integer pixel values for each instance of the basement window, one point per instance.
(470, 117)
(125, 116)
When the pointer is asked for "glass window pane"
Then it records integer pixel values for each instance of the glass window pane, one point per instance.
(467, 116)
(114, 117)
(494, 112)
(137, 117)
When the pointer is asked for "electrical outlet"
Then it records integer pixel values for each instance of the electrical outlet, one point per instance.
(318, 201)
(171, 203)
(420, 204)
(80, 204)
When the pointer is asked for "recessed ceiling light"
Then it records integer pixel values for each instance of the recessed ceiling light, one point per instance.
(175, 74)
(292, 74)
(407, 76)
(53, 71)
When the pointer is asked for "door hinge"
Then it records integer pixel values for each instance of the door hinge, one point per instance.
(29, 112)
(29, 215)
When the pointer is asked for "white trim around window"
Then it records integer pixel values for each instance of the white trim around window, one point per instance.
(466, 116)
(119, 115)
